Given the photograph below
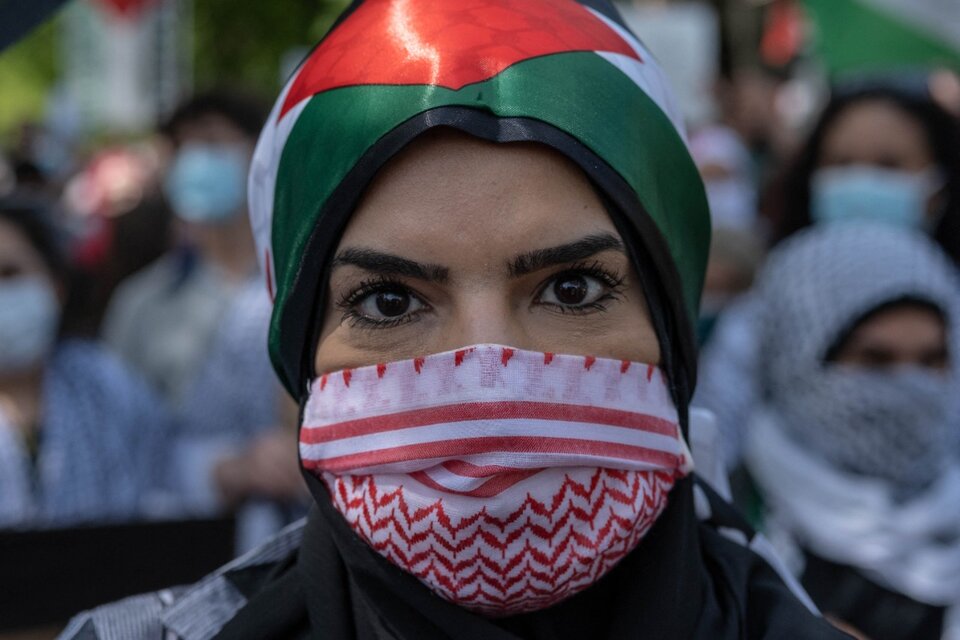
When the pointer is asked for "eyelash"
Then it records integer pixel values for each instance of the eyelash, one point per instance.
(613, 281)
(348, 302)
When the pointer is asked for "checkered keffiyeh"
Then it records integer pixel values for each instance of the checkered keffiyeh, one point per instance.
(815, 288)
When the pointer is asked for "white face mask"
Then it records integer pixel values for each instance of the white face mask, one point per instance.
(505, 480)
(29, 315)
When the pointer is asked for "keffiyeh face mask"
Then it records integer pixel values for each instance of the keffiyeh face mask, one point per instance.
(505, 480)
(892, 425)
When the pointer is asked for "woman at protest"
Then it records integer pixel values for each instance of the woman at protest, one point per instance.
(853, 450)
(81, 437)
(878, 152)
(485, 241)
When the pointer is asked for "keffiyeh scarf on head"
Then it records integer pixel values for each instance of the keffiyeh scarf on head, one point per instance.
(858, 465)
(816, 287)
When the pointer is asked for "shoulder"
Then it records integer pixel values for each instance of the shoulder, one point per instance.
(195, 612)
(129, 305)
(751, 579)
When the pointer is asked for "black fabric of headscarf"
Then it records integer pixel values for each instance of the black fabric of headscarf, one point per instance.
(684, 581)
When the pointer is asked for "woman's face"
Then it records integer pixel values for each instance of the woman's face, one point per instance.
(876, 133)
(459, 242)
(18, 258)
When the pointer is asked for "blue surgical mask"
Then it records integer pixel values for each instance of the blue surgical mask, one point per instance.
(29, 315)
(207, 183)
(876, 194)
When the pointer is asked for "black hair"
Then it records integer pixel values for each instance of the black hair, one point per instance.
(244, 111)
(32, 216)
(790, 200)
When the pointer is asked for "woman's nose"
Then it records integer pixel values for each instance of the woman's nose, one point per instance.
(486, 318)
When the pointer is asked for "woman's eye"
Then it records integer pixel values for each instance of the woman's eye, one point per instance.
(573, 290)
(387, 304)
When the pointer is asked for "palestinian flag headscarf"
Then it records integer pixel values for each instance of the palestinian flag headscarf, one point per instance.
(562, 73)
(568, 75)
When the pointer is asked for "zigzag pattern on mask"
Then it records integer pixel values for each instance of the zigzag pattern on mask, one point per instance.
(542, 552)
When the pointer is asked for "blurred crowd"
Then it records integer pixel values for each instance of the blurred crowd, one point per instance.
(133, 323)
(829, 348)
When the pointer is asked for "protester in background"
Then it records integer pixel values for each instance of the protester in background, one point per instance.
(188, 320)
(882, 153)
(735, 256)
(82, 438)
(728, 175)
(736, 247)
(851, 448)
(180, 299)
(472, 302)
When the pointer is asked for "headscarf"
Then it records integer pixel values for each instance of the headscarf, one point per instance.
(563, 73)
(814, 291)
(858, 466)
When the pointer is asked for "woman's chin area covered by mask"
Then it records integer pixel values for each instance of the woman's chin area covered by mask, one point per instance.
(460, 242)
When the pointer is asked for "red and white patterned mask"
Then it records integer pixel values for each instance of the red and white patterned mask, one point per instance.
(505, 480)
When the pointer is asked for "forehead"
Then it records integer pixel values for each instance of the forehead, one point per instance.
(453, 198)
(901, 325)
(855, 131)
(14, 243)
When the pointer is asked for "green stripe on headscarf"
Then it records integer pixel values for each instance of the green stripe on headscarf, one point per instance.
(579, 93)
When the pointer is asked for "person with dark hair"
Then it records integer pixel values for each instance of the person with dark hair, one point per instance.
(877, 152)
(853, 449)
(179, 299)
(82, 438)
(880, 152)
(186, 321)
(485, 239)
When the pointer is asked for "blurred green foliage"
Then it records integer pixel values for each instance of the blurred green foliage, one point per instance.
(244, 41)
(236, 43)
(28, 70)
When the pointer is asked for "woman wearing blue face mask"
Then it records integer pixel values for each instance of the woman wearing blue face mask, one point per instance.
(879, 153)
(186, 320)
(81, 437)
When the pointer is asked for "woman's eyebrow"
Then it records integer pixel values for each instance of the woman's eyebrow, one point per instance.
(571, 252)
(386, 263)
